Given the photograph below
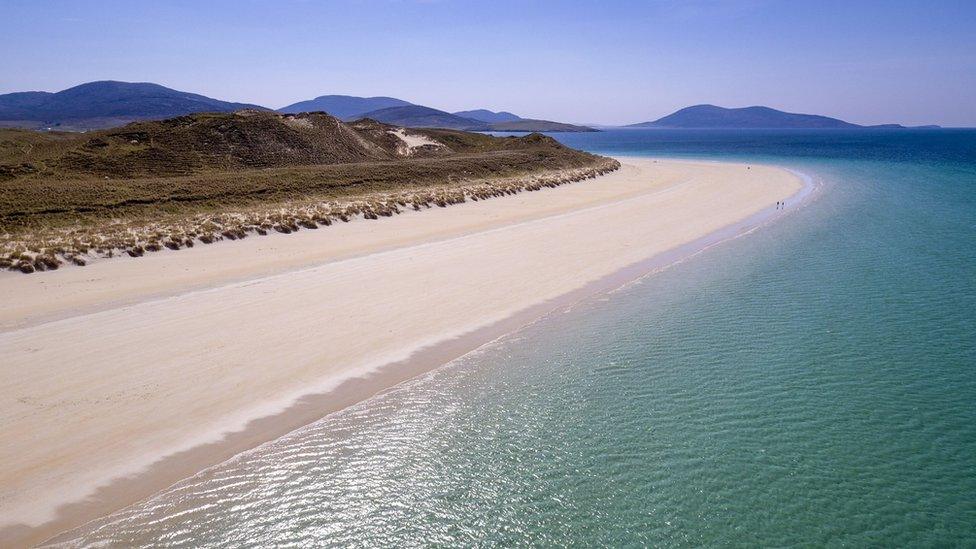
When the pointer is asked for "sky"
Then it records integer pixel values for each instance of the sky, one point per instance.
(603, 62)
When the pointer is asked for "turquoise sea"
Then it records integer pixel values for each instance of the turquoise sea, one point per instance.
(810, 384)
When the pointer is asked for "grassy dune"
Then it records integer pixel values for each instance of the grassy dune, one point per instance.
(204, 178)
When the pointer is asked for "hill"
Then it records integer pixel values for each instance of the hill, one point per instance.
(345, 106)
(530, 125)
(205, 177)
(105, 104)
(205, 143)
(243, 156)
(417, 116)
(491, 117)
(195, 144)
(710, 116)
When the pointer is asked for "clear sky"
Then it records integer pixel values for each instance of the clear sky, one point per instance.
(911, 62)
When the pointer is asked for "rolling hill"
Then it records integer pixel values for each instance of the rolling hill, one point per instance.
(248, 154)
(489, 116)
(417, 116)
(242, 141)
(532, 125)
(74, 197)
(345, 106)
(202, 142)
(105, 104)
(109, 104)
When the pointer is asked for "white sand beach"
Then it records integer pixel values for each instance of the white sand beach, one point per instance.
(108, 368)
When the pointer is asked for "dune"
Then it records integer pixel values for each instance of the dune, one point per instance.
(110, 368)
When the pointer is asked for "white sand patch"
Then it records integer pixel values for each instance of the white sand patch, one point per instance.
(413, 141)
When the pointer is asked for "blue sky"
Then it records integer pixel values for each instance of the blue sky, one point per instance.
(603, 62)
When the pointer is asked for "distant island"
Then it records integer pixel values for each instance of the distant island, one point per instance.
(108, 104)
(711, 116)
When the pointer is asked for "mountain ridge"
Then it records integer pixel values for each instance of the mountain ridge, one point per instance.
(535, 125)
(344, 106)
(107, 103)
(418, 116)
(488, 116)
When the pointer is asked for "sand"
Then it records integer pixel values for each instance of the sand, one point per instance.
(108, 368)
(414, 141)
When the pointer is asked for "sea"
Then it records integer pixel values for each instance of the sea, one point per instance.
(812, 383)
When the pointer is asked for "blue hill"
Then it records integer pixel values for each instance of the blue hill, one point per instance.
(489, 116)
(107, 103)
(345, 106)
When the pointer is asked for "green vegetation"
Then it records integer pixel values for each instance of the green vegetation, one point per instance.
(206, 177)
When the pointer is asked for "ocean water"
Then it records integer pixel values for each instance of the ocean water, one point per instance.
(812, 383)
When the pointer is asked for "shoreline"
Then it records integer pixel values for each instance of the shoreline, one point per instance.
(360, 384)
(66, 305)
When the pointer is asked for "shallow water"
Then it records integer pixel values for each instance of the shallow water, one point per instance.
(811, 383)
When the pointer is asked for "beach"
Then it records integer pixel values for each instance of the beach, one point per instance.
(111, 369)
